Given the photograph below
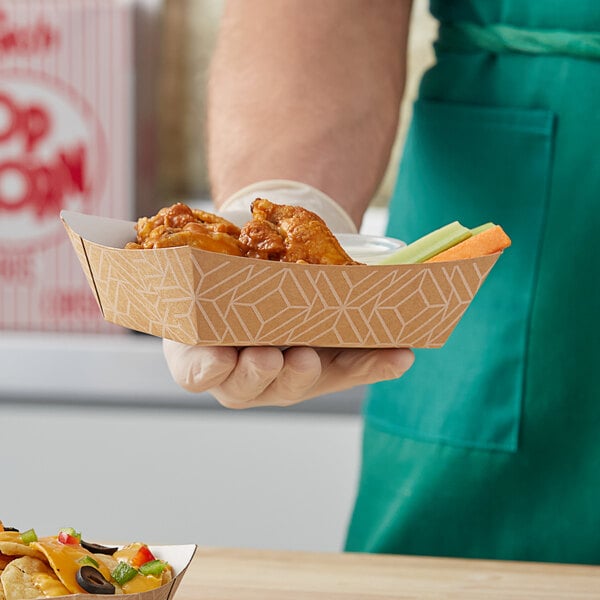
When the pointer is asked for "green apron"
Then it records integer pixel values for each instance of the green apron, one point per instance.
(490, 446)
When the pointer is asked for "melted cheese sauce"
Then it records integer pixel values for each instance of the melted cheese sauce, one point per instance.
(47, 582)
(64, 559)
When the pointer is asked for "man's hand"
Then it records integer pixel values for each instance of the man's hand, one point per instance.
(311, 94)
(266, 376)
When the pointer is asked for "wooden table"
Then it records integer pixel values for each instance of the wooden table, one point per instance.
(222, 574)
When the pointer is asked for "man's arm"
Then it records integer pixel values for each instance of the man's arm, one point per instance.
(307, 90)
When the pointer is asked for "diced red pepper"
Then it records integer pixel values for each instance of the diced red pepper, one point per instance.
(65, 537)
(142, 556)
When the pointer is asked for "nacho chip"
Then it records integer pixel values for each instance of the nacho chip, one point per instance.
(167, 574)
(142, 583)
(127, 553)
(65, 561)
(27, 577)
(110, 563)
(11, 544)
(53, 566)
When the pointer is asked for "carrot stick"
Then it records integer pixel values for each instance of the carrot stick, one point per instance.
(489, 241)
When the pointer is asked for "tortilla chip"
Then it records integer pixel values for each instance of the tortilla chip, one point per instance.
(64, 560)
(11, 544)
(110, 563)
(107, 561)
(26, 577)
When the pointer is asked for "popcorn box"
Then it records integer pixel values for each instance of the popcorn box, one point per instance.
(74, 133)
(199, 297)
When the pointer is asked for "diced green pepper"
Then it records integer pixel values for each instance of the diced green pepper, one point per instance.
(153, 567)
(29, 536)
(88, 560)
(123, 573)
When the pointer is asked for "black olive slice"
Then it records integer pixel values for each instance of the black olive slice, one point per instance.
(92, 581)
(97, 548)
(10, 529)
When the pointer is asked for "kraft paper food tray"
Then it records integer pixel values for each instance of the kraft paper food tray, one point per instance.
(199, 297)
(179, 557)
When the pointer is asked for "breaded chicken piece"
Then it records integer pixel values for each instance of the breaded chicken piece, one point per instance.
(180, 225)
(261, 239)
(290, 234)
(276, 232)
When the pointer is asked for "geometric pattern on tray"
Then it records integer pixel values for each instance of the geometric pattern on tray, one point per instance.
(199, 297)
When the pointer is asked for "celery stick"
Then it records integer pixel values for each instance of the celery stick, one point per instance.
(481, 228)
(429, 245)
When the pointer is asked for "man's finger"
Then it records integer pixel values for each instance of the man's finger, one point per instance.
(199, 368)
(256, 368)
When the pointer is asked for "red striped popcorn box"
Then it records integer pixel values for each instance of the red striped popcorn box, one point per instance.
(77, 97)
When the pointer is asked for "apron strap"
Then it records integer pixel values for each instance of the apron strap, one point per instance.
(503, 39)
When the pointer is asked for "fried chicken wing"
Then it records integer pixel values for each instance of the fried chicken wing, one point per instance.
(261, 239)
(180, 225)
(276, 232)
(291, 234)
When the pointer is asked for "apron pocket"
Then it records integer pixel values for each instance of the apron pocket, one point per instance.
(473, 164)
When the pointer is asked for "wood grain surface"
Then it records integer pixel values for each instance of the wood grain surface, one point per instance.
(223, 574)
